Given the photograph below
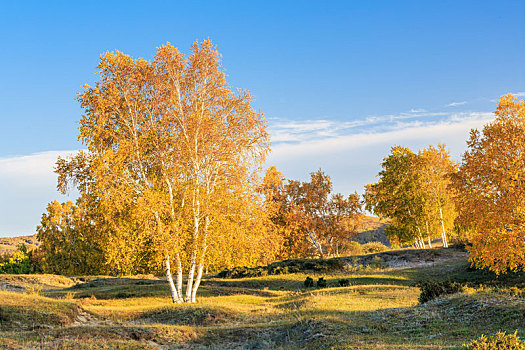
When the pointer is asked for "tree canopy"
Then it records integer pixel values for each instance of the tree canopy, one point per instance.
(490, 190)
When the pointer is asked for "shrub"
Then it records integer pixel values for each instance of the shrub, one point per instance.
(374, 247)
(20, 262)
(321, 283)
(497, 342)
(352, 248)
(377, 263)
(284, 267)
(345, 282)
(433, 289)
(309, 282)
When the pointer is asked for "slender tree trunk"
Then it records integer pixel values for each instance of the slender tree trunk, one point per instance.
(444, 234)
(198, 279)
(179, 274)
(191, 275)
(421, 240)
(195, 245)
(316, 245)
(428, 235)
(174, 295)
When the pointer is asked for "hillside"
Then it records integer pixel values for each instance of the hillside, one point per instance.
(10, 244)
(372, 230)
(379, 308)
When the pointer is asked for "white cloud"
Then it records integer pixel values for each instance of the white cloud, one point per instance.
(455, 104)
(352, 157)
(349, 151)
(27, 184)
(519, 94)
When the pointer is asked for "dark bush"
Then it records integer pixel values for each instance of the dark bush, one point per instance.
(433, 289)
(284, 267)
(321, 283)
(377, 263)
(345, 282)
(498, 342)
(309, 282)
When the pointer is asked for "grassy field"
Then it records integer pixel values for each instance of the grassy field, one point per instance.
(379, 310)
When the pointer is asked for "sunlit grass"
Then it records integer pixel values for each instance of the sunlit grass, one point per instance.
(378, 310)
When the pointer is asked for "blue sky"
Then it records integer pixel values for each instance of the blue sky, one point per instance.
(339, 82)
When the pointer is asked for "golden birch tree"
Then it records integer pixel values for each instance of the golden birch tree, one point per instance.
(435, 168)
(311, 220)
(172, 138)
(490, 186)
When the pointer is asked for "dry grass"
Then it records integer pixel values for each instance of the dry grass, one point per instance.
(379, 310)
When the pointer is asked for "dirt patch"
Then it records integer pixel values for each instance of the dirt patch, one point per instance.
(408, 258)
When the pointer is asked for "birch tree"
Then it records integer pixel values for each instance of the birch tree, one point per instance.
(490, 187)
(311, 217)
(396, 196)
(174, 135)
(435, 169)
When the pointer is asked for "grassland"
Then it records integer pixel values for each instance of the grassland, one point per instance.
(379, 310)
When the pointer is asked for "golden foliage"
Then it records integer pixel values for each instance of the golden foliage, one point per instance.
(490, 189)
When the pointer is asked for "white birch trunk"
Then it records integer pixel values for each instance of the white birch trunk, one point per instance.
(174, 295)
(314, 242)
(191, 275)
(421, 240)
(428, 235)
(443, 234)
(179, 275)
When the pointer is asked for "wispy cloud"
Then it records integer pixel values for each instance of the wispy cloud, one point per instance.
(349, 151)
(291, 131)
(519, 94)
(37, 167)
(397, 130)
(455, 104)
(27, 184)
(352, 156)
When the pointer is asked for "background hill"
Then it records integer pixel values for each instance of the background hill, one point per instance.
(372, 230)
(9, 244)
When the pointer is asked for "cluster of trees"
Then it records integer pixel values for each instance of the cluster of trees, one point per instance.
(21, 261)
(480, 201)
(490, 186)
(414, 192)
(309, 219)
(170, 170)
(170, 180)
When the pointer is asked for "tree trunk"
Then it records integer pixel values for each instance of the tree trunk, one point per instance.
(316, 245)
(199, 276)
(179, 275)
(421, 240)
(174, 295)
(428, 235)
(201, 261)
(191, 275)
(443, 234)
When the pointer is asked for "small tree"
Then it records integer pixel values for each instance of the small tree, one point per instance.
(397, 196)
(310, 217)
